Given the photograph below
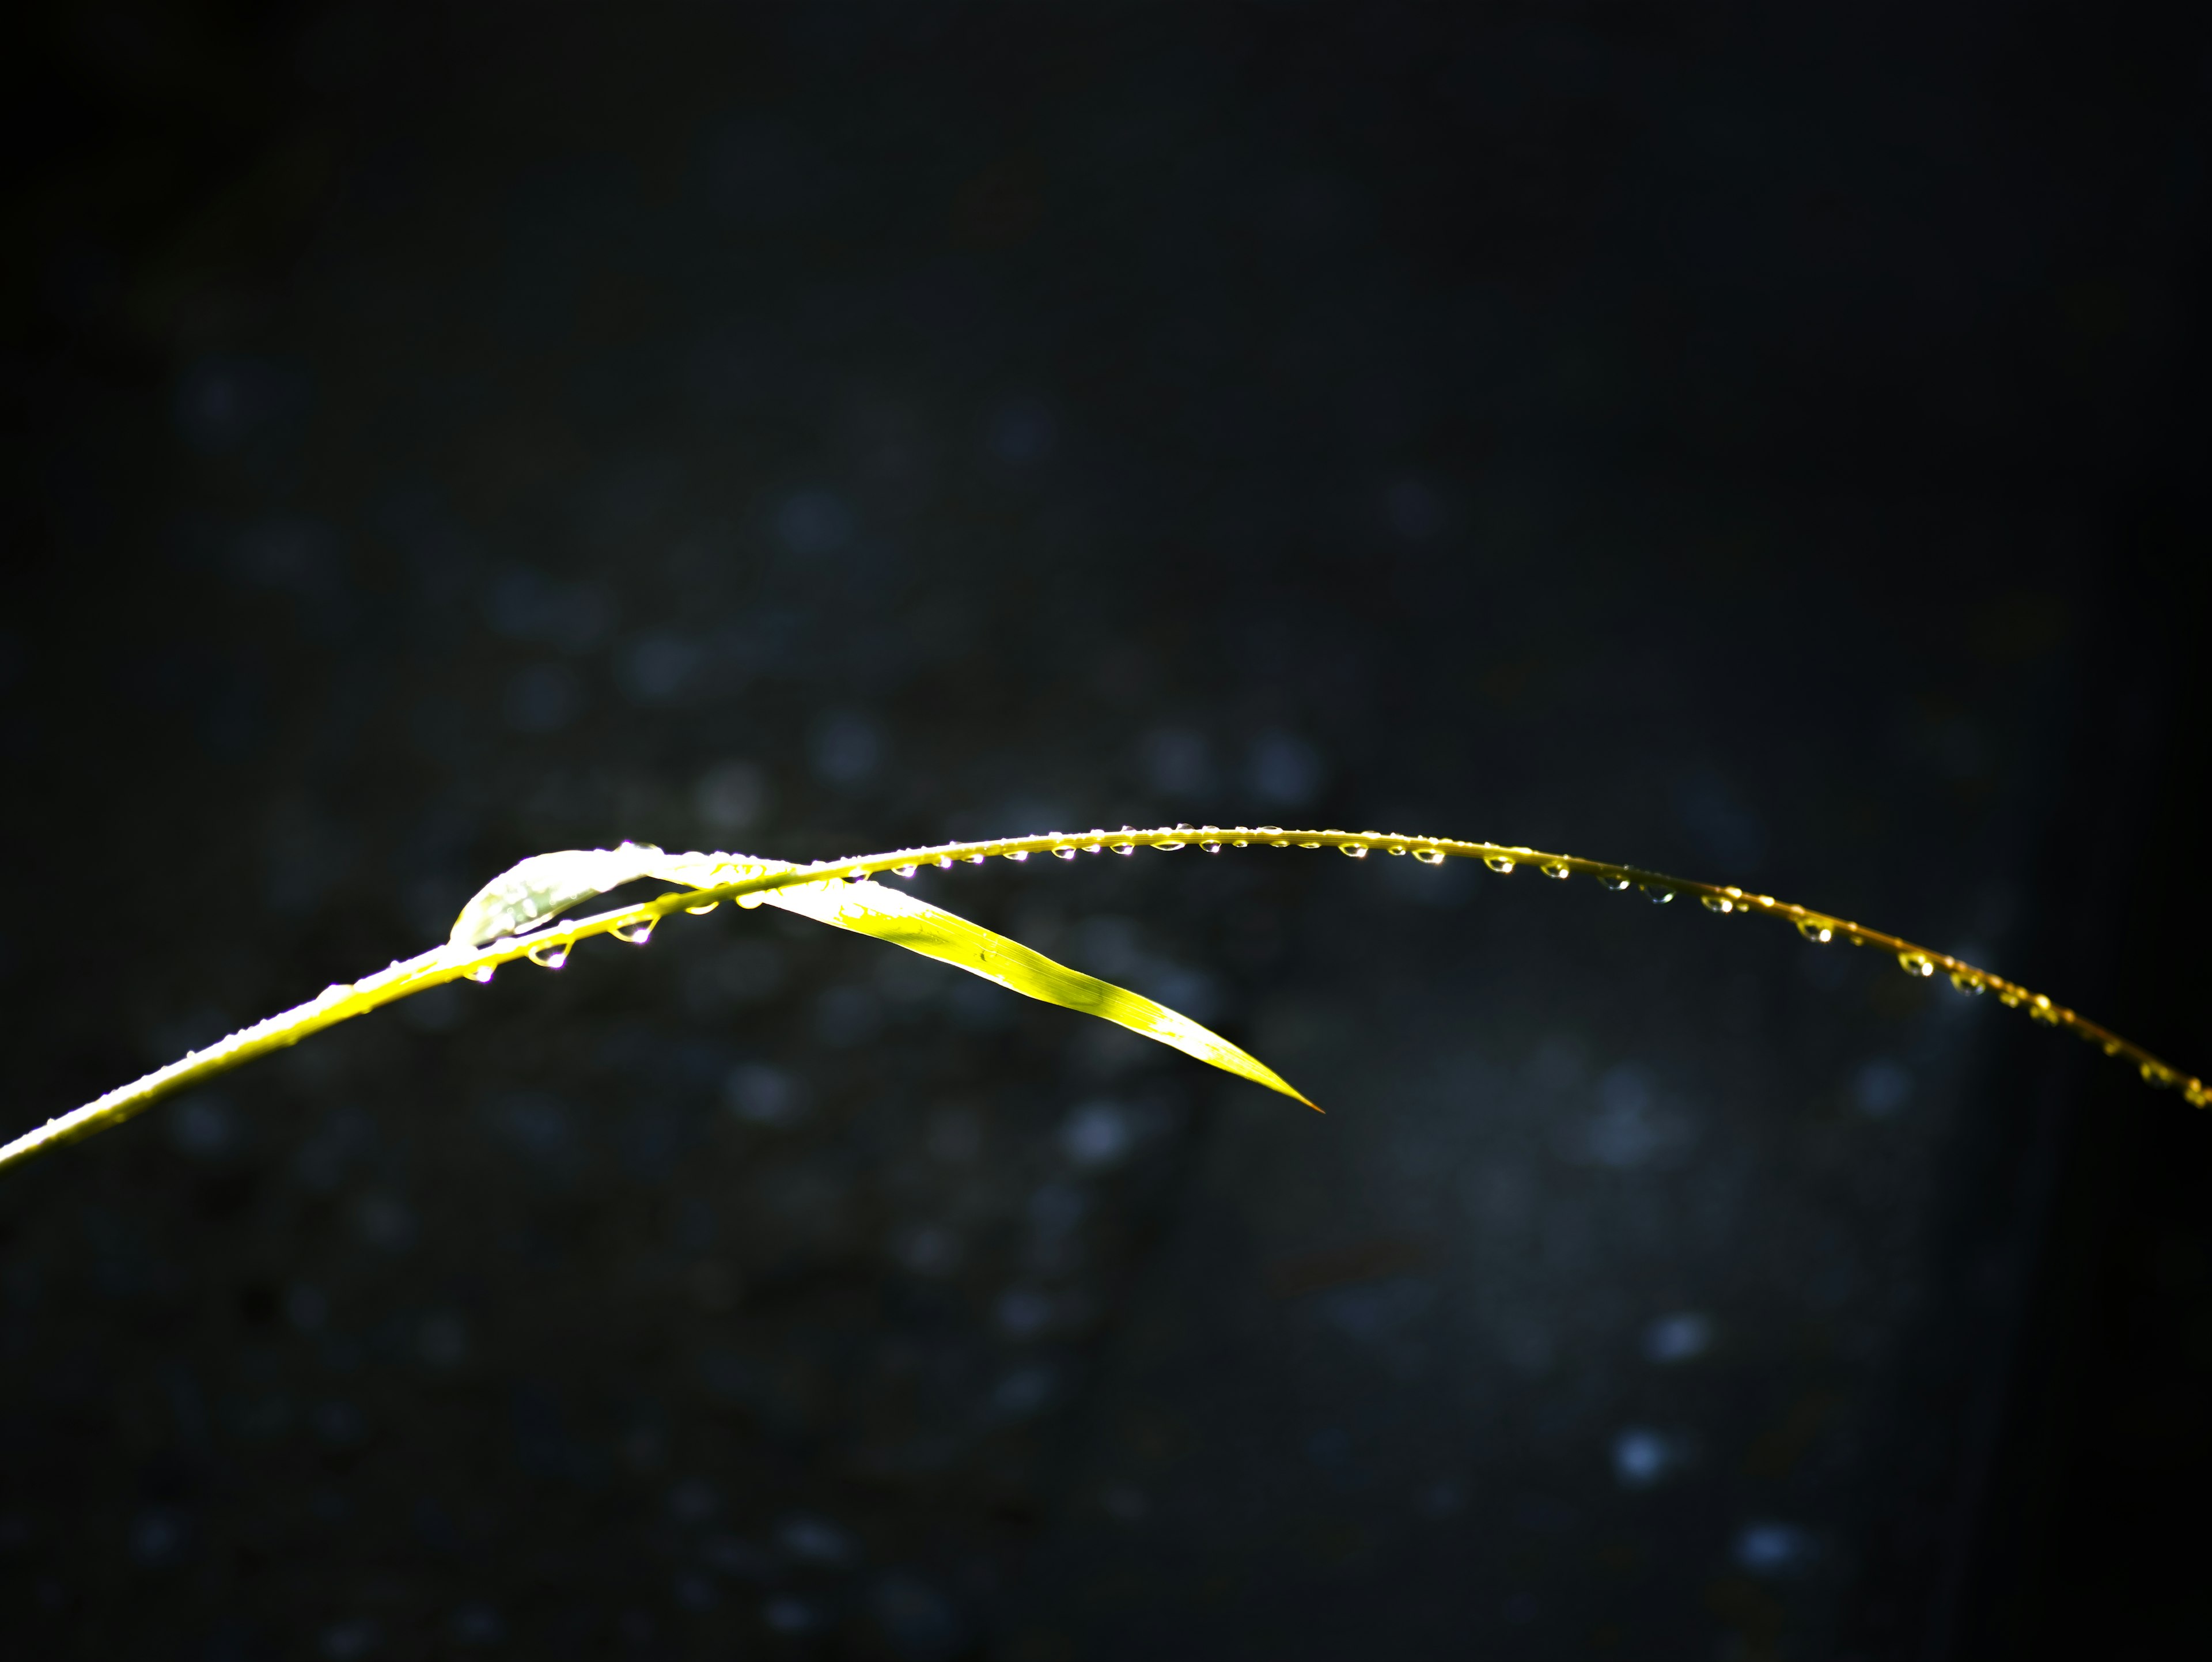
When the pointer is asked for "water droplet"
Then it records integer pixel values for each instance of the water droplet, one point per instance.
(1717, 902)
(2044, 1011)
(1499, 862)
(1240, 842)
(1813, 929)
(701, 911)
(1356, 850)
(944, 862)
(1211, 846)
(1280, 843)
(1967, 982)
(1557, 868)
(2157, 1073)
(2198, 1096)
(1607, 880)
(637, 933)
(482, 972)
(1430, 856)
(975, 859)
(1916, 964)
(751, 902)
(2010, 997)
(1167, 848)
(1125, 847)
(1659, 897)
(906, 871)
(1016, 854)
(2111, 1047)
(1098, 847)
(1063, 854)
(550, 955)
(1304, 845)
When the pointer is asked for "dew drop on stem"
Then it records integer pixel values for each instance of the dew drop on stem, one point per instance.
(1918, 964)
(636, 933)
(906, 871)
(483, 973)
(1718, 903)
(1557, 868)
(1356, 850)
(1063, 854)
(1430, 856)
(1658, 897)
(550, 955)
(1813, 930)
(1500, 863)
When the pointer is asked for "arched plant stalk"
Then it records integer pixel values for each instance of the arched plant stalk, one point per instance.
(517, 916)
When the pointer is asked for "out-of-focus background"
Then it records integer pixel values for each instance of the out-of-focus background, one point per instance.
(1765, 445)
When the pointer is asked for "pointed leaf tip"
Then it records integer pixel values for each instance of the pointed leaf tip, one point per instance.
(868, 908)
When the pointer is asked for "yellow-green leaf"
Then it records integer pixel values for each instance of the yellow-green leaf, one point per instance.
(870, 909)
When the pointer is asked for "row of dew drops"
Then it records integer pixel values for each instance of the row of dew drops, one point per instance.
(1211, 839)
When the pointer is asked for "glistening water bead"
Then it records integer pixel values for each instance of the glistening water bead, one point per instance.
(1430, 856)
(1063, 854)
(1356, 850)
(906, 871)
(1557, 868)
(1501, 863)
(550, 955)
(1813, 929)
(1918, 964)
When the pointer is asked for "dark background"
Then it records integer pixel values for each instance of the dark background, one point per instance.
(1765, 445)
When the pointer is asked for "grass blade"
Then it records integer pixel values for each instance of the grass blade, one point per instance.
(513, 918)
(870, 909)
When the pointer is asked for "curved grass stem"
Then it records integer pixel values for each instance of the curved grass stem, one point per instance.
(712, 878)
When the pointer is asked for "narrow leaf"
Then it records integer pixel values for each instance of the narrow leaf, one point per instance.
(527, 895)
(888, 915)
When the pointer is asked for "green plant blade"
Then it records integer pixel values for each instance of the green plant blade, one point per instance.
(886, 914)
(546, 885)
